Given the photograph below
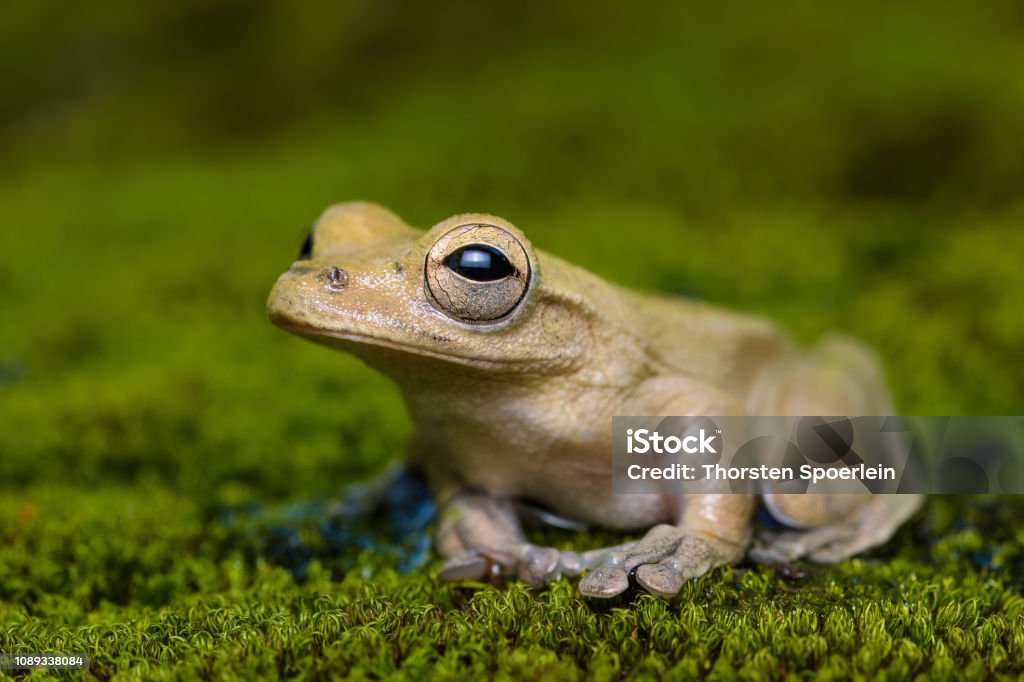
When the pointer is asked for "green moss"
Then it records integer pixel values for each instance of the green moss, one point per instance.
(785, 164)
(135, 577)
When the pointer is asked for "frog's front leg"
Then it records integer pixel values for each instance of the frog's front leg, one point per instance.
(708, 530)
(480, 534)
(711, 530)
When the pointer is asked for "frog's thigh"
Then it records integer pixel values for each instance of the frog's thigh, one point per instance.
(838, 377)
(815, 511)
(843, 378)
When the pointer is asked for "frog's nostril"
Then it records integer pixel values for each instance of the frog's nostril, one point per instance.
(337, 278)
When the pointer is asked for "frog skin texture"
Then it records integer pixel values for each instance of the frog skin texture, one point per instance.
(512, 363)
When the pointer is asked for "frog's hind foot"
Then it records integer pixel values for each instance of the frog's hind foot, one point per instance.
(873, 526)
(660, 562)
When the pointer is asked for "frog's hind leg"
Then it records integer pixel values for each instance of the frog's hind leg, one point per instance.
(869, 522)
(838, 377)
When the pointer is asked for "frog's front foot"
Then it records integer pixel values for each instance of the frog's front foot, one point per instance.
(481, 537)
(660, 562)
(530, 563)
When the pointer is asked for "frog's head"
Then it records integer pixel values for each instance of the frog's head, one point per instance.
(467, 291)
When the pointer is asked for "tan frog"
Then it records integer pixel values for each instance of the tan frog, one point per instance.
(513, 362)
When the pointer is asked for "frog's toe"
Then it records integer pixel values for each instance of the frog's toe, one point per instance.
(827, 545)
(596, 557)
(661, 562)
(696, 556)
(873, 525)
(604, 582)
(540, 565)
(692, 558)
(778, 548)
(833, 554)
(831, 543)
(842, 548)
(660, 579)
(469, 566)
(876, 525)
(571, 563)
(531, 563)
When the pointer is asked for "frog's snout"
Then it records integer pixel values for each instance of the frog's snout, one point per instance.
(332, 277)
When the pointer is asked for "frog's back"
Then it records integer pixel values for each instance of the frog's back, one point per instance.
(727, 349)
(676, 334)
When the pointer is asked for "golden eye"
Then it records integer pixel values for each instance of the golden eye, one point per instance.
(477, 273)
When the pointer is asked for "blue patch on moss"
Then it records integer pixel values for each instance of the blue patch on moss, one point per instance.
(390, 516)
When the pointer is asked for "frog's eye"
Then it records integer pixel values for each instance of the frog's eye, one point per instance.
(477, 273)
(480, 263)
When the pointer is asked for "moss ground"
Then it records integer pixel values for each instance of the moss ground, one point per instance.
(846, 168)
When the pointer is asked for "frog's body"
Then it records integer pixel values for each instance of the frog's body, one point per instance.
(512, 363)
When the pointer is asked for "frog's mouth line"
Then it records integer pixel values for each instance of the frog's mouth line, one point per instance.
(321, 335)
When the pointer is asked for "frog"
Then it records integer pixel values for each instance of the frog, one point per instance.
(512, 362)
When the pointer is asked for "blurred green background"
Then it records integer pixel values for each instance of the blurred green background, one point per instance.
(854, 166)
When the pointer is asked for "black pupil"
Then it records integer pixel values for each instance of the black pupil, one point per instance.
(306, 252)
(480, 263)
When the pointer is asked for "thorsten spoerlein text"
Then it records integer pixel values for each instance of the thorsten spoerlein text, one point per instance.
(762, 472)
